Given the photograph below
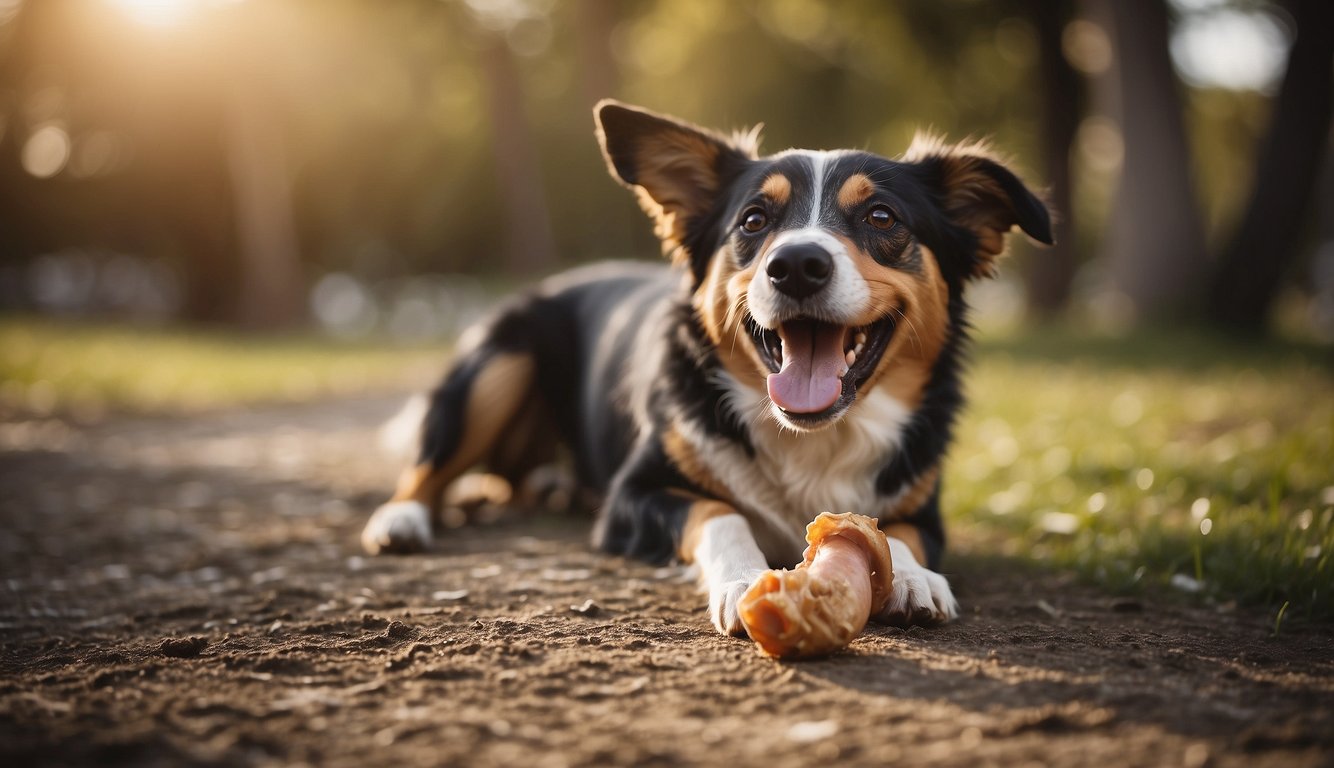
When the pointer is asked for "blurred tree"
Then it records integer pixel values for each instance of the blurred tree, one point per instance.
(267, 142)
(272, 289)
(1266, 242)
(1155, 238)
(18, 40)
(1051, 270)
(530, 248)
(595, 25)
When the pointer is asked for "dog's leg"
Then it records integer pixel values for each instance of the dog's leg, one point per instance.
(530, 443)
(921, 596)
(655, 513)
(718, 538)
(468, 414)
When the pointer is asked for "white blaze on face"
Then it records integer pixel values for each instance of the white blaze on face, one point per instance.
(818, 162)
(847, 294)
(810, 379)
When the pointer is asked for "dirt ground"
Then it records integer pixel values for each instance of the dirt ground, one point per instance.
(190, 591)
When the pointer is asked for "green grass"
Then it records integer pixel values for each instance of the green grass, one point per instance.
(1110, 457)
(1134, 460)
(88, 370)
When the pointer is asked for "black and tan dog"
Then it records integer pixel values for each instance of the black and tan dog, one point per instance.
(802, 355)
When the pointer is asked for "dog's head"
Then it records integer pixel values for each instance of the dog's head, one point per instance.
(818, 275)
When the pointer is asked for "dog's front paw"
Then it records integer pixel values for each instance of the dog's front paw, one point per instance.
(723, 602)
(397, 527)
(920, 596)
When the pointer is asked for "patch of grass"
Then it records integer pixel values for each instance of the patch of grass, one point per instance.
(1136, 460)
(48, 366)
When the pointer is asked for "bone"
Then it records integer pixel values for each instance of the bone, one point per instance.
(824, 603)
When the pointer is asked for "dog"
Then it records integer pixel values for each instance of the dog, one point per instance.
(801, 353)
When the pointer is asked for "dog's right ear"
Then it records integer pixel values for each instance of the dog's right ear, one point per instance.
(676, 169)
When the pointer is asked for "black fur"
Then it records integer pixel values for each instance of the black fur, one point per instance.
(647, 505)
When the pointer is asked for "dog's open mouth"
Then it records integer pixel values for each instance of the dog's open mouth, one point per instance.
(816, 367)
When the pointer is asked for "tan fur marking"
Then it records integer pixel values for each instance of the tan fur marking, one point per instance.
(700, 513)
(777, 188)
(676, 178)
(972, 196)
(495, 397)
(719, 302)
(696, 471)
(910, 535)
(419, 484)
(916, 495)
(905, 367)
(855, 190)
(992, 242)
(906, 381)
(921, 335)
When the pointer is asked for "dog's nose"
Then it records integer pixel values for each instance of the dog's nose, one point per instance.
(799, 269)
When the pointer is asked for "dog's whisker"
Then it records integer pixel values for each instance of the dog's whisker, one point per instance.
(733, 312)
(911, 328)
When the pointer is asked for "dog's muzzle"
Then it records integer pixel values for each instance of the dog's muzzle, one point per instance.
(799, 270)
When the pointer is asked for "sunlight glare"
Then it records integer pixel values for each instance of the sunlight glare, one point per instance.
(1231, 49)
(156, 13)
(46, 151)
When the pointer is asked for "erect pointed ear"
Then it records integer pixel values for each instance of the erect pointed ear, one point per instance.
(979, 193)
(676, 169)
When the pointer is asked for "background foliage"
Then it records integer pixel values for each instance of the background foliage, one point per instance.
(215, 159)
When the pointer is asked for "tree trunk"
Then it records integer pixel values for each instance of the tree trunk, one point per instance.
(1267, 241)
(272, 289)
(598, 69)
(529, 247)
(1051, 270)
(1157, 256)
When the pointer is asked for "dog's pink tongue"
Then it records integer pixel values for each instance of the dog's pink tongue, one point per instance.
(812, 358)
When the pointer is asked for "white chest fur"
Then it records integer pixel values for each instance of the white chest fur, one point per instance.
(795, 476)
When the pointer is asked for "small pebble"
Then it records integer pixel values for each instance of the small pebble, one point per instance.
(588, 608)
(809, 731)
(1126, 605)
(182, 647)
(566, 574)
(1186, 584)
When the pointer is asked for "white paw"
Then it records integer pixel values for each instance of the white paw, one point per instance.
(723, 601)
(399, 526)
(920, 596)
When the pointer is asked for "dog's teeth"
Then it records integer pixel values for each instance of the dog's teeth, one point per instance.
(860, 338)
(850, 358)
(843, 371)
(857, 350)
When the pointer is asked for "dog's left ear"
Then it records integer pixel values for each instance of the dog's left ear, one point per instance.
(677, 169)
(979, 193)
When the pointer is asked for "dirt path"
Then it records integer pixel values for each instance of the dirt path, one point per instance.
(190, 592)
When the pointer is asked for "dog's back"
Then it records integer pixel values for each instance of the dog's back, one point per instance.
(583, 329)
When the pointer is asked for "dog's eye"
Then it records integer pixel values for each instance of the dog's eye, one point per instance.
(754, 220)
(880, 217)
